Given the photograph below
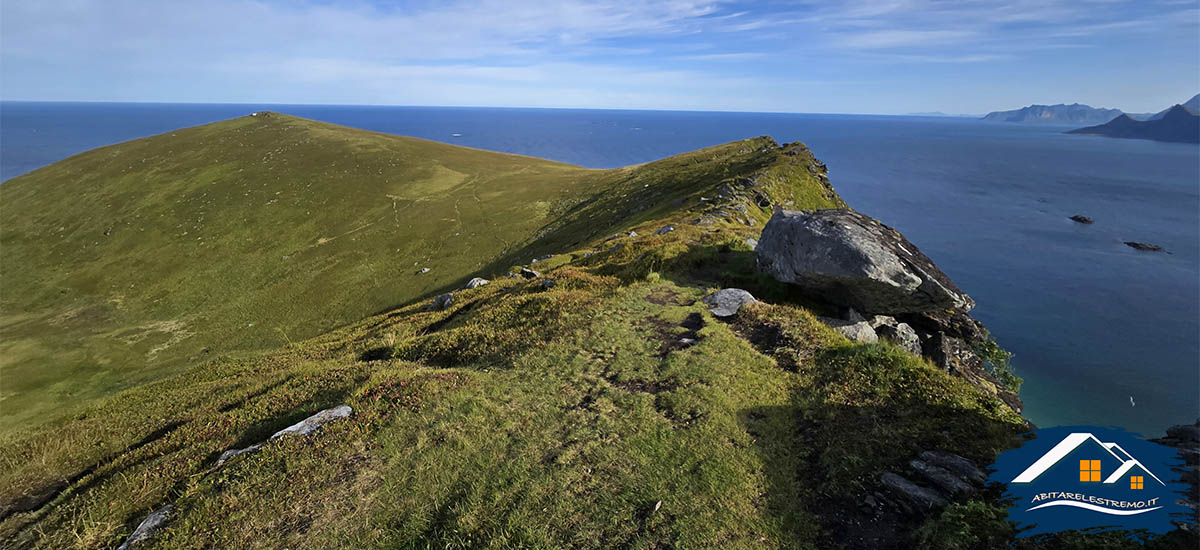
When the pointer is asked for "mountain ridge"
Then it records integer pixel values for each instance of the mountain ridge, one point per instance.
(1178, 124)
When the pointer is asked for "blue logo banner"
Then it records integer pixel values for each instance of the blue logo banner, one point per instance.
(1087, 477)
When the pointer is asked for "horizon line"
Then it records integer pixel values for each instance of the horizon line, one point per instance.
(717, 111)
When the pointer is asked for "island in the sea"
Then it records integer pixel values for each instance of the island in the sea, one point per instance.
(1075, 113)
(1178, 124)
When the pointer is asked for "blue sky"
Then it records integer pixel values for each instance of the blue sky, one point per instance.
(858, 56)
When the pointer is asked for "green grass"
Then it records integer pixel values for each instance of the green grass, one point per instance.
(520, 417)
(135, 261)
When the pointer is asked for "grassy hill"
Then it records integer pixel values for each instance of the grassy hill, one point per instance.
(131, 262)
(525, 415)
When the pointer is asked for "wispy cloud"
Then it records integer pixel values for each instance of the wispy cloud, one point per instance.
(626, 53)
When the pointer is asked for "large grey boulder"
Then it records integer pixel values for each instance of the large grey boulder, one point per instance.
(851, 259)
(727, 301)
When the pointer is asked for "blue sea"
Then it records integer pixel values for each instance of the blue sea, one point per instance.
(1092, 323)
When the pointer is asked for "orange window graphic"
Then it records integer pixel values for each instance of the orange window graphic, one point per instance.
(1135, 482)
(1089, 470)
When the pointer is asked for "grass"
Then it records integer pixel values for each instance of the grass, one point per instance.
(519, 417)
(140, 260)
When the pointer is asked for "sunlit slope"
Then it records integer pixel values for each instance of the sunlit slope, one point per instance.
(240, 234)
(129, 262)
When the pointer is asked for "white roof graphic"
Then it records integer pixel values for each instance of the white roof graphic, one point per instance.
(1069, 444)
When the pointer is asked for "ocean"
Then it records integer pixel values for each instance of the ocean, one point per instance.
(1102, 334)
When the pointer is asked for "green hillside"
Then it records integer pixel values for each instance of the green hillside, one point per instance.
(130, 262)
(598, 405)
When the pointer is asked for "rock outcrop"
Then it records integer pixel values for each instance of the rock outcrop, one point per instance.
(1186, 438)
(856, 263)
(849, 258)
(303, 427)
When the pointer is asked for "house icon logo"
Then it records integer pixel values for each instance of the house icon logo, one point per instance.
(1086, 477)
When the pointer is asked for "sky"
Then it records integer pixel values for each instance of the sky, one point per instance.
(853, 56)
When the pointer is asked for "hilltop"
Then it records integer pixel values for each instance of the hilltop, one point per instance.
(1178, 125)
(1074, 113)
(182, 305)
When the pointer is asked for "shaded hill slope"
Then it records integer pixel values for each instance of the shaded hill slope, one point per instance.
(1177, 125)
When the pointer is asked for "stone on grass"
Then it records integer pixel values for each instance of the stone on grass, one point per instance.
(314, 422)
(147, 528)
(859, 332)
(442, 301)
(529, 273)
(918, 498)
(727, 301)
(902, 335)
(665, 229)
(477, 282)
(962, 467)
(941, 478)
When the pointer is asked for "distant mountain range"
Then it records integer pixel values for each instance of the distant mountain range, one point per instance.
(1076, 114)
(1177, 124)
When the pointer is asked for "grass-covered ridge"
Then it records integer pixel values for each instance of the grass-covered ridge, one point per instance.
(525, 415)
(135, 261)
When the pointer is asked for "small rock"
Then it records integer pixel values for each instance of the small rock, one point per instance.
(423, 270)
(665, 229)
(477, 282)
(633, 234)
(752, 242)
(942, 478)
(957, 464)
(727, 301)
(548, 283)
(859, 332)
(1144, 246)
(687, 341)
(529, 273)
(902, 335)
(921, 499)
(1082, 219)
(147, 528)
(442, 301)
(227, 455)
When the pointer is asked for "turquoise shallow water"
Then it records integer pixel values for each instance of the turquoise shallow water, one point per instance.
(1091, 321)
